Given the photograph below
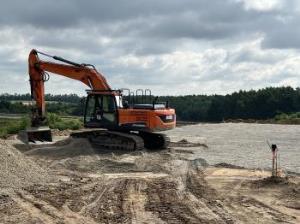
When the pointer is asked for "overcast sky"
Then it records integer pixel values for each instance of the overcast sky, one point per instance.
(174, 47)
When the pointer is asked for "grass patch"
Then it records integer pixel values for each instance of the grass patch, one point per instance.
(10, 126)
(293, 118)
(62, 123)
(13, 125)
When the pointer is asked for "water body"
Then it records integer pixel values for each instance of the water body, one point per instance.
(244, 144)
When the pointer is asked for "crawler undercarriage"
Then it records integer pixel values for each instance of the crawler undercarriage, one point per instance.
(129, 141)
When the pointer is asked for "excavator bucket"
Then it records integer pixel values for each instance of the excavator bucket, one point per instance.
(42, 134)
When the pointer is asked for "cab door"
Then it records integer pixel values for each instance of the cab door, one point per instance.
(101, 111)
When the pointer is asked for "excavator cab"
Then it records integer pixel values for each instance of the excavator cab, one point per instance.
(101, 111)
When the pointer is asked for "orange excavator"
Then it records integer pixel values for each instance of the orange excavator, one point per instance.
(111, 118)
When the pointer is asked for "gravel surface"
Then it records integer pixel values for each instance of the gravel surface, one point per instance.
(17, 170)
(243, 144)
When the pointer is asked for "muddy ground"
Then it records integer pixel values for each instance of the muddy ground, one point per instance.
(88, 185)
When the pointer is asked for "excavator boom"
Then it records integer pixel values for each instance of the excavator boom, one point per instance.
(37, 71)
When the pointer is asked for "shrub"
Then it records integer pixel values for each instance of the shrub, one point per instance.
(13, 126)
(57, 122)
(53, 118)
(3, 133)
(25, 122)
(283, 118)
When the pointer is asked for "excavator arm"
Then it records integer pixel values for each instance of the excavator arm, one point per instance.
(38, 75)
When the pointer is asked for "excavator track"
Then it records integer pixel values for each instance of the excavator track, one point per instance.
(125, 141)
(112, 140)
(154, 141)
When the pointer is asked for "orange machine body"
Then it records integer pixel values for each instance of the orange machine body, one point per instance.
(153, 119)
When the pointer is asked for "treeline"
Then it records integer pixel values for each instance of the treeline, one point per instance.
(67, 98)
(68, 104)
(261, 104)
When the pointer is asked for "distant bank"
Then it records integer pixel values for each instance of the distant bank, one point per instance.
(268, 105)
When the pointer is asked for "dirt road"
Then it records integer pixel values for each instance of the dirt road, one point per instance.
(86, 185)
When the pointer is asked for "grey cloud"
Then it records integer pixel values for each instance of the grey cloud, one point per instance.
(100, 32)
(284, 35)
(255, 56)
(198, 19)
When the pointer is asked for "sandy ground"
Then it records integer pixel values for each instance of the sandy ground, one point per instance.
(87, 185)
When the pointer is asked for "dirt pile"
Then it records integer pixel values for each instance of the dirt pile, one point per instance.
(227, 165)
(72, 148)
(16, 170)
(185, 143)
(273, 180)
(290, 198)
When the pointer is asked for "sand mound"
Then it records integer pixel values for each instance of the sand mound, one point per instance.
(75, 147)
(185, 143)
(227, 165)
(271, 181)
(16, 170)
